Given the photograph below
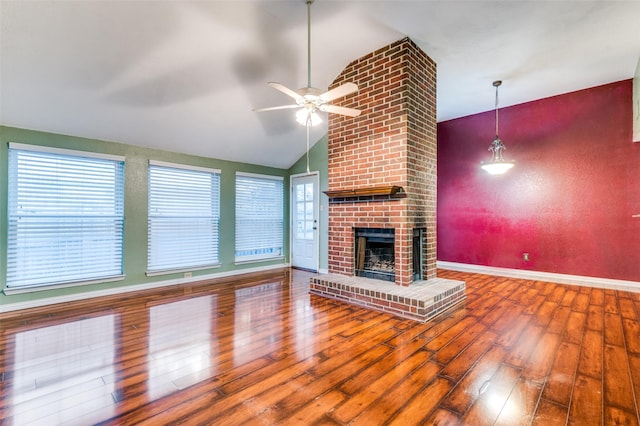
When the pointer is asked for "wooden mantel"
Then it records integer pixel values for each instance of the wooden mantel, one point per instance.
(366, 194)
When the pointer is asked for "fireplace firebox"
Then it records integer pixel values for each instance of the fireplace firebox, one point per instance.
(375, 253)
(416, 249)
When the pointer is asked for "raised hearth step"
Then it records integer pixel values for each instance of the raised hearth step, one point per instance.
(420, 301)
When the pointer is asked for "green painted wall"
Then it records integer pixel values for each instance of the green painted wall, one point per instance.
(135, 231)
(319, 162)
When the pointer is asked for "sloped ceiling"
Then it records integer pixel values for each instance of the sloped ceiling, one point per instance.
(185, 75)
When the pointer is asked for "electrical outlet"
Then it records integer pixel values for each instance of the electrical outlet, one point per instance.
(525, 257)
(187, 274)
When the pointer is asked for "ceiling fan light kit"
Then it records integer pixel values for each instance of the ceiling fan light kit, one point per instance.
(308, 117)
(311, 100)
(497, 165)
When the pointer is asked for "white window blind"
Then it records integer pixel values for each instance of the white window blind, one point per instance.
(65, 216)
(259, 217)
(184, 217)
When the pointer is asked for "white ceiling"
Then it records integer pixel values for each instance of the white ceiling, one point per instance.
(184, 75)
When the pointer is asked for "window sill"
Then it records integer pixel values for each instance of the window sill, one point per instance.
(44, 287)
(180, 270)
(262, 259)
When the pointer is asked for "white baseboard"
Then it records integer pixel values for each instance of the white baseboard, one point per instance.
(608, 283)
(129, 288)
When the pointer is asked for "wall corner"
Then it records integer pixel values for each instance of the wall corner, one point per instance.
(636, 104)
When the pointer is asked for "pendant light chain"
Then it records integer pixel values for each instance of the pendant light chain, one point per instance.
(496, 84)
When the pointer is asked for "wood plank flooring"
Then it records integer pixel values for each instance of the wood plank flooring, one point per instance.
(260, 350)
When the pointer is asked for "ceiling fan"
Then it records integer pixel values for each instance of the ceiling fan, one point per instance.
(310, 99)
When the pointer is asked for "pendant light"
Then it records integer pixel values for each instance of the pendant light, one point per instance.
(497, 165)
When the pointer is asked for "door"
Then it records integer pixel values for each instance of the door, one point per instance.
(304, 221)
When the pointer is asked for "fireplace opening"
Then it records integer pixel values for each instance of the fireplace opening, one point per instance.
(416, 249)
(375, 253)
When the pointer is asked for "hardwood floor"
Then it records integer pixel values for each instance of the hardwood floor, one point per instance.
(261, 350)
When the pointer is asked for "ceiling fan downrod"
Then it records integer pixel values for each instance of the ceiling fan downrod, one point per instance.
(309, 100)
(309, 3)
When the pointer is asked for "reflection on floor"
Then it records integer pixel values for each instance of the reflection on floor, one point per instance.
(261, 350)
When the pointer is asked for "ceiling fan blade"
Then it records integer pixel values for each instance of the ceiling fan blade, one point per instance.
(338, 92)
(286, 90)
(275, 108)
(350, 112)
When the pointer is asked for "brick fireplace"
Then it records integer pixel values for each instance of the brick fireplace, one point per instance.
(391, 144)
(382, 175)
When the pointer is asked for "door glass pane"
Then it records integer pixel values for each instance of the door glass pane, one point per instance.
(299, 192)
(308, 191)
(308, 235)
(300, 229)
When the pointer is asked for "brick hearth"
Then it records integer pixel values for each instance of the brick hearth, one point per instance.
(421, 301)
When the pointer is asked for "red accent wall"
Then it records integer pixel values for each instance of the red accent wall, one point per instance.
(568, 201)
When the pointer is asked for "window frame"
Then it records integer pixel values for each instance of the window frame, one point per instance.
(216, 216)
(117, 216)
(260, 257)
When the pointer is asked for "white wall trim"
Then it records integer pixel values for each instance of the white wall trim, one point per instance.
(130, 288)
(62, 151)
(184, 167)
(607, 283)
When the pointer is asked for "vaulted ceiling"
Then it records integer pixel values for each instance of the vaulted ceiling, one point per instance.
(184, 76)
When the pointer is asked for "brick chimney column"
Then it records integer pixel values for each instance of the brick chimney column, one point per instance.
(393, 142)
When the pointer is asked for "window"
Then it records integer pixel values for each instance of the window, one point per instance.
(259, 217)
(65, 216)
(184, 217)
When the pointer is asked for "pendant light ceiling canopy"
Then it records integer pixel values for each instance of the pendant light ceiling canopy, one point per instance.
(497, 165)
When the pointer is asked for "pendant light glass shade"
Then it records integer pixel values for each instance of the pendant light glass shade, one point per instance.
(497, 165)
